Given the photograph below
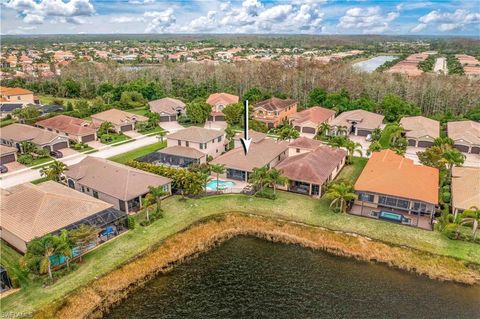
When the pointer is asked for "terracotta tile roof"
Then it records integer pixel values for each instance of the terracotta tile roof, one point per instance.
(196, 134)
(392, 174)
(313, 167)
(420, 126)
(466, 187)
(166, 105)
(364, 119)
(14, 91)
(254, 135)
(222, 98)
(259, 155)
(68, 124)
(22, 132)
(274, 104)
(464, 130)
(305, 143)
(7, 149)
(316, 114)
(117, 180)
(119, 117)
(183, 151)
(30, 211)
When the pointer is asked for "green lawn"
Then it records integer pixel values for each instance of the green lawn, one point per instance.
(39, 180)
(140, 111)
(5, 122)
(136, 153)
(115, 138)
(48, 99)
(152, 131)
(350, 173)
(386, 133)
(10, 259)
(40, 161)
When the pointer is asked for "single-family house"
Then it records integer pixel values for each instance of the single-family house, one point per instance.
(122, 121)
(266, 153)
(31, 211)
(420, 131)
(307, 172)
(465, 135)
(356, 122)
(256, 137)
(393, 188)
(219, 101)
(309, 120)
(8, 154)
(117, 184)
(168, 108)
(76, 129)
(7, 108)
(14, 134)
(17, 95)
(465, 188)
(303, 145)
(274, 111)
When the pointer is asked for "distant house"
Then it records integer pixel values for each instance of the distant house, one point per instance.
(169, 109)
(117, 184)
(7, 154)
(307, 172)
(465, 135)
(14, 134)
(356, 122)
(219, 101)
(266, 153)
(256, 137)
(17, 95)
(74, 128)
(303, 145)
(189, 146)
(309, 120)
(274, 111)
(420, 131)
(122, 121)
(393, 188)
(465, 188)
(31, 211)
(7, 108)
(50, 108)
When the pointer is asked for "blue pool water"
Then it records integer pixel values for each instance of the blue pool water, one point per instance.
(212, 185)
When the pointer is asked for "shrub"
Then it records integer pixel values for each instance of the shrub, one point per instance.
(25, 159)
(446, 196)
(131, 222)
(183, 119)
(266, 193)
(451, 231)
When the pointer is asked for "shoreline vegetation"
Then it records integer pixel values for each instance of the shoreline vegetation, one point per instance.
(96, 298)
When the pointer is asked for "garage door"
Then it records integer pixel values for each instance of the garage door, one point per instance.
(309, 130)
(220, 118)
(297, 128)
(425, 144)
(165, 118)
(7, 158)
(59, 146)
(126, 128)
(88, 138)
(363, 132)
(411, 142)
(461, 148)
(475, 150)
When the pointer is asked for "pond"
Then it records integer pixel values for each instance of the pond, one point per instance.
(372, 64)
(251, 278)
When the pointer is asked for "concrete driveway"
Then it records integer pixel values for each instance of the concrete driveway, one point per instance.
(171, 127)
(13, 167)
(132, 134)
(362, 141)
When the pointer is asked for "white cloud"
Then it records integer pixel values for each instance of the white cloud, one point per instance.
(126, 19)
(367, 20)
(141, 2)
(37, 12)
(448, 21)
(161, 21)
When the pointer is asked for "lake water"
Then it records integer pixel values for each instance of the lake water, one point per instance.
(251, 278)
(372, 64)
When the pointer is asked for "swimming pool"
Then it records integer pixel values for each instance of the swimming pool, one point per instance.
(212, 185)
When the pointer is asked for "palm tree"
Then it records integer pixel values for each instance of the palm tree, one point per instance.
(338, 141)
(395, 133)
(157, 193)
(341, 193)
(105, 128)
(65, 245)
(287, 133)
(471, 216)
(217, 169)
(161, 135)
(27, 147)
(259, 177)
(146, 202)
(376, 134)
(54, 171)
(323, 129)
(40, 250)
(352, 148)
(275, 178)
(452, 157)
(341, 131)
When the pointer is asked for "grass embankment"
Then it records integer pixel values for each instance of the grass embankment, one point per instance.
(48, 99)
(136, 153)
(10, 259)
(386, 135)
(92, 301)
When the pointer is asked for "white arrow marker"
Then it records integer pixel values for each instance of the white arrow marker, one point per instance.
(246, 141)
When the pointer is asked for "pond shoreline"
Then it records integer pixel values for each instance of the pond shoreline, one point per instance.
(94, 300)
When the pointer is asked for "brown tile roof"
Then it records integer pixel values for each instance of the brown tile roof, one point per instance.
(254, 135)
(196, 134)
(274, 104)
(259, 155)
(68, 124)
(22, 132)
(184, 151)
(317, 115)
(392, 174)
(166, 105)
(119, 117)
(364, 119)
(464, 130)
(420, 126)
(14, 91)
(313, 167)
(466, 187)
(117, 180)
(305, 143)
(30, 211)
(4, 150)
(222, 98)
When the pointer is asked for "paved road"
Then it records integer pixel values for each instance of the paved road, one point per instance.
(28, 174)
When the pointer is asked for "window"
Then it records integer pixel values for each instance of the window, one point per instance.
(219, 139)
(419, 206)
(95, 194)
(297, 150)
(201, 146)
(179, 143)
(391, 201)
(187, 144)
(366, 197)
(403, 203)
(83, 189)
(382, 200)
(18, 98)
(88, 189)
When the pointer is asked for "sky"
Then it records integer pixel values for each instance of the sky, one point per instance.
(390, 17)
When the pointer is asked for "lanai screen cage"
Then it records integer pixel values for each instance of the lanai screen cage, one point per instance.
(5, 282)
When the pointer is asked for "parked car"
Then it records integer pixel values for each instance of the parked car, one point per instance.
(56, 154)
(3, 169)
(369, 138)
